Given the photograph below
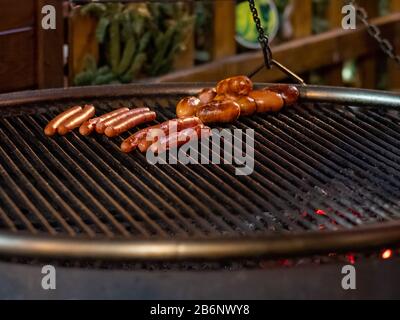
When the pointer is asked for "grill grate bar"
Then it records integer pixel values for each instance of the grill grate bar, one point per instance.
(292, 146)
(33, 131)
(22, 199)
(331, 170)
(82, 167)
(19, 146)
(152, 190)
(359, 155)
(357, 133)
(7, 222)
(384, 133)
(307, 171)
(117, 180)
(187, 177)
(237, 189)
(265, 150)
(171, 177)
(33, 192)
(345, 159)
(97, 176)
(11, 207)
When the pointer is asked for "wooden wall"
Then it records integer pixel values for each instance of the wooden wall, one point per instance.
(306, 52)
(30, 57)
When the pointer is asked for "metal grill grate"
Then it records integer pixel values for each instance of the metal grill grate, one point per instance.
(317, 168)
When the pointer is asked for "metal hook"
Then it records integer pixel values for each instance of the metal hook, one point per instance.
(283, 69)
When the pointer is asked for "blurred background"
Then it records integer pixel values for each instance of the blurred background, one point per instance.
(131, 41)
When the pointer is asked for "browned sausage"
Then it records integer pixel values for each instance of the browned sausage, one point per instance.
(177, 139)
(129, 123)
(133, 141)
(219, 112)
(188, 107)
(89, 126)
(102, 126)
(166, 128)
(51, 128)
(130, 144)
(236, 86)
(289, 93)
(267, 101)
(247, 105)
(207, 95)
(76, 120)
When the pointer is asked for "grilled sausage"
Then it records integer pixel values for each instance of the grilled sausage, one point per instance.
(102, 126)
(165, 129)
(128, 123)
(289, 93)
(247, 106)
(188, 107)
(130, 144)
(89, 126)
(51, 128)
(267, 101)
(146, 137)
(177, 139)
(207, 95)
(236, 86)
(219, 112)
(76, 120)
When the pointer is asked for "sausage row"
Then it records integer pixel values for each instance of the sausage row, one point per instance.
(235, 97)
(111, 124)
(230, 99)
(159, 138)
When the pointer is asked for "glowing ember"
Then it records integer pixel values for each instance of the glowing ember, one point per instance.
(387, 254)
(351, 258)
(320, 212)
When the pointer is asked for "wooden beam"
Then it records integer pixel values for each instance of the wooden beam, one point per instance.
(301, 18)
(333, 74)
(50, 58)
(393, 67)
(224, 29)
(82, 41)
(300, 55)
(367, 65)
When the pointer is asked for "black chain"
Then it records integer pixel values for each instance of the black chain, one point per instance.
(375, 32)
(262, 37)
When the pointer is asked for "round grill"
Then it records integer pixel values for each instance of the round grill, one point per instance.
(326, 179)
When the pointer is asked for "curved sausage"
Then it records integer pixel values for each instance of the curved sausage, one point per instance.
(128, 123)
(289, 93)
(219, 112)
(235, 86)
(102, 126)
(168, 127)
(51, 128)
(207, 95)
(188, 107)
(177, 139)
(89, 126)
(76, 120)
(267, 101)
(247, 105)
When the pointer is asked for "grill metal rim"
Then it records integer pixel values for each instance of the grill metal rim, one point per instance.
(293, 244)
(282, 246)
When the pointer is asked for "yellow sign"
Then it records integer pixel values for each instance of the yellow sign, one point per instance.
(246, 31)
